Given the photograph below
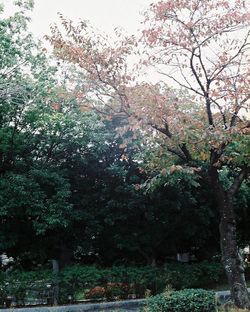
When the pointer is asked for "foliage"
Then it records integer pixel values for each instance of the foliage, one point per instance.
(17, 285)
(118, 281)
(182, 301)
(125, 280)
(3, 290)
(202, 129)
(104, 169)
(202, 274)
(39, 146)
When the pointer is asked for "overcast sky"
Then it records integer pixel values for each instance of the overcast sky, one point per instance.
(103, 14)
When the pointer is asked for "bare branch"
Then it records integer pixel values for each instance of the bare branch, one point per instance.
(245, 43)
(189, 87)
(205, 92)
(235, 114)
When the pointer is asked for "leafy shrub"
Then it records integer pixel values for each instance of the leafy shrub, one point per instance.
(17, 284)
(193, 275)
(188, 300)
(96, 293)
(120, 290)
(139, 279)
(77, 277)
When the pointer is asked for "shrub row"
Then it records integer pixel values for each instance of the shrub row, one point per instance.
(119, 281)
(141, 279)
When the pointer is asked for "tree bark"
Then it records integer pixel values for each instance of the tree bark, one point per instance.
(231, 257)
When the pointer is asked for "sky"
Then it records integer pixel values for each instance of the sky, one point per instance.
(102, 14)
(105, 15)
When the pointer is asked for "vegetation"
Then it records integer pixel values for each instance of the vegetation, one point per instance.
(121, 282)
(199, 127)
(182, 301)
(113, 178)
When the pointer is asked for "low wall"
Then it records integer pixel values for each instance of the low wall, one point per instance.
(224, 296)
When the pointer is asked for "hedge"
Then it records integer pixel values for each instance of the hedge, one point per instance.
(117, 281)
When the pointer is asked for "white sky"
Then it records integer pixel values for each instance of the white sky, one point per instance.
(103, 14)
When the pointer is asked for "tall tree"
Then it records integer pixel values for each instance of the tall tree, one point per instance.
(42, 135)
(196, 44)
(207, 42)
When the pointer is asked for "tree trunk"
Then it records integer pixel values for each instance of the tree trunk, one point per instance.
(231, 257)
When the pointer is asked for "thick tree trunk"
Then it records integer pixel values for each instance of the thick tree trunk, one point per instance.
(231, 257)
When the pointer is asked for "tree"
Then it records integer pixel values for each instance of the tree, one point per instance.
(200, 40)
(26, 189)
(196, 44)
(42, 134)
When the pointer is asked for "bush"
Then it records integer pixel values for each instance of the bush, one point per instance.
(117, 290)
(17, 284)
(188, 300)
(194, 275)
(75, 278)
(96, 293)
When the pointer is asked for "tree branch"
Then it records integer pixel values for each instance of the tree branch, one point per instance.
(238, 180)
